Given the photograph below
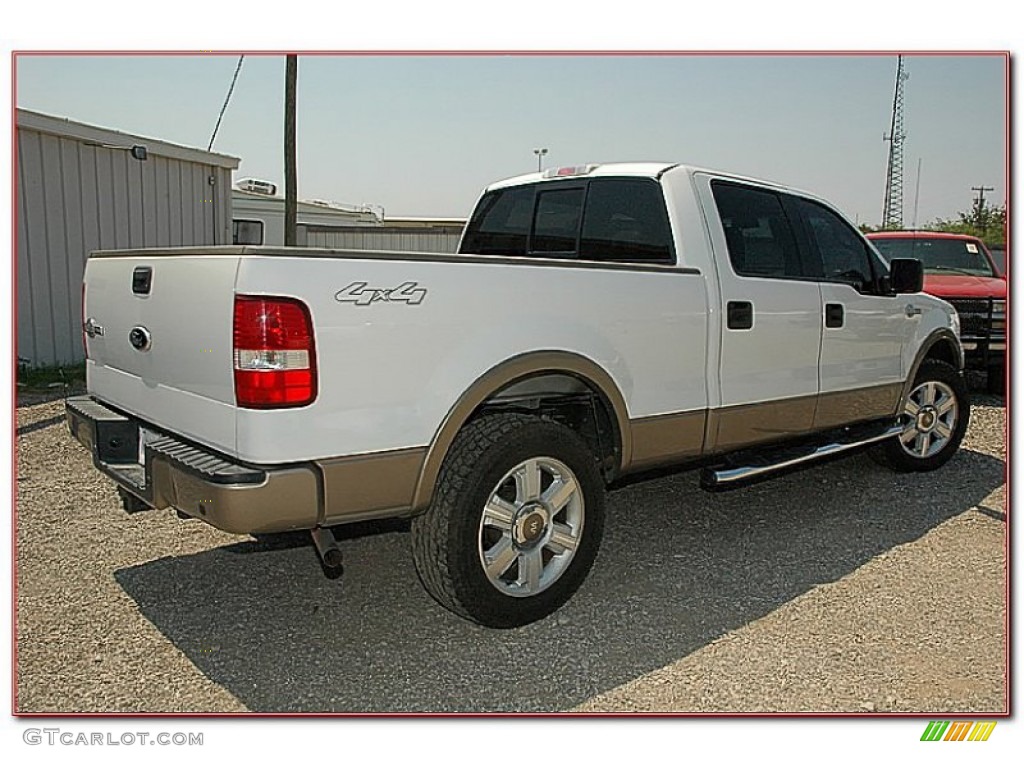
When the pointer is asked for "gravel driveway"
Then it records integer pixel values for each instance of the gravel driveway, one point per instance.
(842, 588)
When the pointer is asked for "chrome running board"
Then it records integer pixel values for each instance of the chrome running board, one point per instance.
(720, 478)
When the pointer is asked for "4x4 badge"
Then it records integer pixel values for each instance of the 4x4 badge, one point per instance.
(362, 296)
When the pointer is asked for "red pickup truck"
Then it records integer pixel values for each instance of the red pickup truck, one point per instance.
(960, 269)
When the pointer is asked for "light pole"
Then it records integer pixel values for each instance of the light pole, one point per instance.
(540, 154)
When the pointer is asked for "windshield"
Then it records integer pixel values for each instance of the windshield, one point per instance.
(939, 255)
(999, 257)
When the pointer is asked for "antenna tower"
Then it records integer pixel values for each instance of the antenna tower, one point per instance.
(892, 212)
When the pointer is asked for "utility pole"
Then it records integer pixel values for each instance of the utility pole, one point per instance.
(979, 205)
(291, 72)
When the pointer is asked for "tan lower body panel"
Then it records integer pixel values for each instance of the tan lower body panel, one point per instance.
(744, 425)
(838, 408)
(666, 439)
(384, 484)
(371, 486)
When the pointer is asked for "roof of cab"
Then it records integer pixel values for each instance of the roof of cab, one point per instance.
(649, 170)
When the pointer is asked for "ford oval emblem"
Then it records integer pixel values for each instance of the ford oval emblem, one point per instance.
(139, 338)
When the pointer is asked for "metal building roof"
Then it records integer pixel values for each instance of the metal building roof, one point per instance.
(107, 137)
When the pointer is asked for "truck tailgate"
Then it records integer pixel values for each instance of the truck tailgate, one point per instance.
(164, 354)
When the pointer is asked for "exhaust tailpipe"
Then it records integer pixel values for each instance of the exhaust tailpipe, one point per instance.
(327, 547)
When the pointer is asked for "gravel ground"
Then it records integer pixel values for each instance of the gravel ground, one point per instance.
(842, 588)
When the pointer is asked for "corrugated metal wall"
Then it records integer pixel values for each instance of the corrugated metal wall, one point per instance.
(75, 197)
(382, 239)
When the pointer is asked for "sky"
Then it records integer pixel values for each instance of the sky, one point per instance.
(422, 135)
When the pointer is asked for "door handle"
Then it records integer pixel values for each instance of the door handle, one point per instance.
(739, 315)
(834, 315)
(911, 310)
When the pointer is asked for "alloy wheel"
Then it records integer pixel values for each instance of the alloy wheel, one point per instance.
(930, 417)
(531, 526)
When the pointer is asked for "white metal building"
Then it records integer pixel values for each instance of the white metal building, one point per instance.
(81, 188)
(406, 234)
(259, 220)
(259, 215)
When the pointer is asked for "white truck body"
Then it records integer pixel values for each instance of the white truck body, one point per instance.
(393, 370)
(409, 347)
(395, 392)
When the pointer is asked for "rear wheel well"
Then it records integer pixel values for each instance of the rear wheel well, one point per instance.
(567, 399)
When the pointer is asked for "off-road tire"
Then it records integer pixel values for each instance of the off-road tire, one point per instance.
(446, 538)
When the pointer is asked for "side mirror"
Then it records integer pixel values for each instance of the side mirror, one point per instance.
(907, 275)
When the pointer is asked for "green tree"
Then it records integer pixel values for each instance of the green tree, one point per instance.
(987, 223)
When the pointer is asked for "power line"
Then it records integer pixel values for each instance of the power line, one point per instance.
(226, 100)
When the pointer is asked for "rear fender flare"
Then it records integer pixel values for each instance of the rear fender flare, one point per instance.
(509, 372)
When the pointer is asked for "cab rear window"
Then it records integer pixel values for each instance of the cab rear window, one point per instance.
(556, 222)
(501, 223)
(607, 219)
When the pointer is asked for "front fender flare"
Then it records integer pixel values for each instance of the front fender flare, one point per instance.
(935, 337)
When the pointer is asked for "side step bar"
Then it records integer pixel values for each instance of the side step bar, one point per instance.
(742, 473)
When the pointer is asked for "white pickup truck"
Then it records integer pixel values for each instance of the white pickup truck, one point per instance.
(598, 321)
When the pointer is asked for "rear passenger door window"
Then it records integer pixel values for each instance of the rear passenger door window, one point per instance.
(844, 255)
(758, 234)
(626, 220)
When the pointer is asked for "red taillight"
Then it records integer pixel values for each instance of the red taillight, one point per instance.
(275, 359)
